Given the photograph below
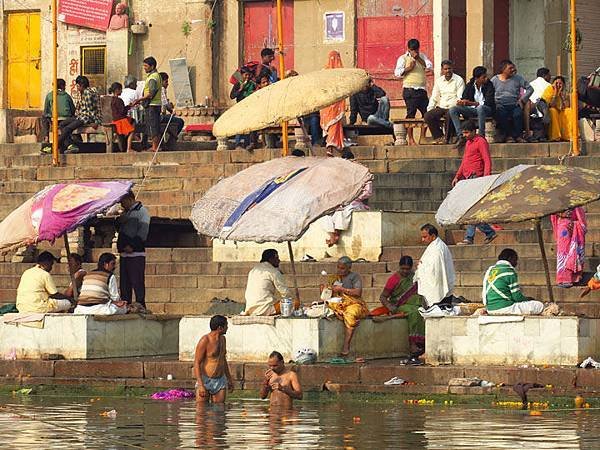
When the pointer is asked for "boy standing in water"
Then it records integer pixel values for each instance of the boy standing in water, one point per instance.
(210, 364)
(281, 382)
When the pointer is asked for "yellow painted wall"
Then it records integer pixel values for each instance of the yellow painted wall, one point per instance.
(310, 48)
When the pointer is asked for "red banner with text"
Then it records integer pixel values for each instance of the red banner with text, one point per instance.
(86, 13)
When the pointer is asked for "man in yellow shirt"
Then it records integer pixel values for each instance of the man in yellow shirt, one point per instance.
(37, 292)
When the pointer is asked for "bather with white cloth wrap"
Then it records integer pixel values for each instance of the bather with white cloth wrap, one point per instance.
(435, 274)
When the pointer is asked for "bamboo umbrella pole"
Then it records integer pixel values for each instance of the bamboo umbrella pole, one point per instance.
(284, 125)
(55, 161)
(73, 283)
(544, 259)
(574, 102)
(291, 252)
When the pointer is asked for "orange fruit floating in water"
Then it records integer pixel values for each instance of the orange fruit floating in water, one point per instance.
(579, 401)
(356, 419)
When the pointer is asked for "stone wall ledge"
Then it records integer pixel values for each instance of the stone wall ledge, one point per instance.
(365, 377)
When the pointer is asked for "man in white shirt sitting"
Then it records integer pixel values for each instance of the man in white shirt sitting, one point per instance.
(534, 107)
(447, 90)
(264, 281)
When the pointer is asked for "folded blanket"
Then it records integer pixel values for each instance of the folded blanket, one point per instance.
(484, 320)
(250, 320)
(33, 320)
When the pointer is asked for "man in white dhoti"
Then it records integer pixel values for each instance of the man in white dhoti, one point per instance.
(435, 272)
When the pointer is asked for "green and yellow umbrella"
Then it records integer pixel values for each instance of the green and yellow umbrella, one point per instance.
(522, 193)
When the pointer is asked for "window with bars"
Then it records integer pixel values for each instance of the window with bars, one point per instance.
(93, 60)
(93, 66)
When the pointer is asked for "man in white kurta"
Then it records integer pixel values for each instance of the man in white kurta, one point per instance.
(264, 281)
(435, 273)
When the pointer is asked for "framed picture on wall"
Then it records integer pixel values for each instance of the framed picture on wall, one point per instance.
(334, 26)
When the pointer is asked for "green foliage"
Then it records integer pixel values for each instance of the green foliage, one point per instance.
(186, 28)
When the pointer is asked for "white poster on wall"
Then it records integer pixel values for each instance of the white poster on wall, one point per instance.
(334, 26)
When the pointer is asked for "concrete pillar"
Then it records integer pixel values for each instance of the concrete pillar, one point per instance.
(117, 60)
(441, 32)
(556, 26)
(480, 34)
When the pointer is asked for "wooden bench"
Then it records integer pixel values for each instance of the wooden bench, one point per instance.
(106, 128)
(594, 121)
(401, 126)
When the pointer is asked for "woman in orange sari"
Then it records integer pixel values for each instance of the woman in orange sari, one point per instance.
(332, 115)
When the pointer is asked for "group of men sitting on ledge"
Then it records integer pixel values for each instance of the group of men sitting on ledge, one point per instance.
(98, 290)
(407, 293)
(523, 111)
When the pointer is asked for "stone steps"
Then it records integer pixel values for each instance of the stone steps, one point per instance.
(404, 180)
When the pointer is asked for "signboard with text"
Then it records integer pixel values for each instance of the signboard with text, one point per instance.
(86, 13)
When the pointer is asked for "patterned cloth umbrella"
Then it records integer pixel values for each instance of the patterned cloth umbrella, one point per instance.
(57, 210)
(522, 193)
(277, 200)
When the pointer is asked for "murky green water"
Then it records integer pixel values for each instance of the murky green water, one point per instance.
(73, 423)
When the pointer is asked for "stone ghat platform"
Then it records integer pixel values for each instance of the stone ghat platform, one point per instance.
(252, 342)
(88, 337)
(152, 373)
(513, 340)
(370, 232)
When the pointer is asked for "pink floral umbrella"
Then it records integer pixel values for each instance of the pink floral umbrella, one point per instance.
(57, 210)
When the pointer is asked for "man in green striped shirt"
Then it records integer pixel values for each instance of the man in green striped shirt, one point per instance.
(501, 290)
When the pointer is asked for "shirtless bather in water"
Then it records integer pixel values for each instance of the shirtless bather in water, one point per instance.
(210, 364)
(281, 382)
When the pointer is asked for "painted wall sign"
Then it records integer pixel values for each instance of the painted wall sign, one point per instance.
(334, 26)
(86, 13)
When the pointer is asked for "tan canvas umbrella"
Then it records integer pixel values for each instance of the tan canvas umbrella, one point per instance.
(288, 99)
(277, 200)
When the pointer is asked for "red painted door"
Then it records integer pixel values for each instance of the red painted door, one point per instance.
(458, 38)
(501, 27)
(260, 30)
(384, 27)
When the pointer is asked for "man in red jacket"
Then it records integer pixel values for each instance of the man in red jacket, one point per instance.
(476, 163)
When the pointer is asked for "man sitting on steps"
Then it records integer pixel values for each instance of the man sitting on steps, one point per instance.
(264, 280)
(87, 113)
(501, 291)
(373, 106)
(37, 292)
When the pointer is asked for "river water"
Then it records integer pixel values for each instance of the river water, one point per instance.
(47, 422)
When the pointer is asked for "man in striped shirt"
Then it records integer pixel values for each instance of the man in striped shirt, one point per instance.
(501, 290)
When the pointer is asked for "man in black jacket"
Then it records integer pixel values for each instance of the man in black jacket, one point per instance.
(373, 106)
(477, 101)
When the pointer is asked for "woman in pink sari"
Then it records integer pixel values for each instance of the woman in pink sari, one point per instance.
(569, 233)
(332, 115)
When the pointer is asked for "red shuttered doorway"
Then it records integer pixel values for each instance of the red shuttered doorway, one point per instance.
(260, 30)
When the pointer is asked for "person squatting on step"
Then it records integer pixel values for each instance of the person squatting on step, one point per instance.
(37, 292)
(501, 290)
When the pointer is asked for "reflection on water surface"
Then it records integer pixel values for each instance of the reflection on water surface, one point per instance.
(71, 423)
